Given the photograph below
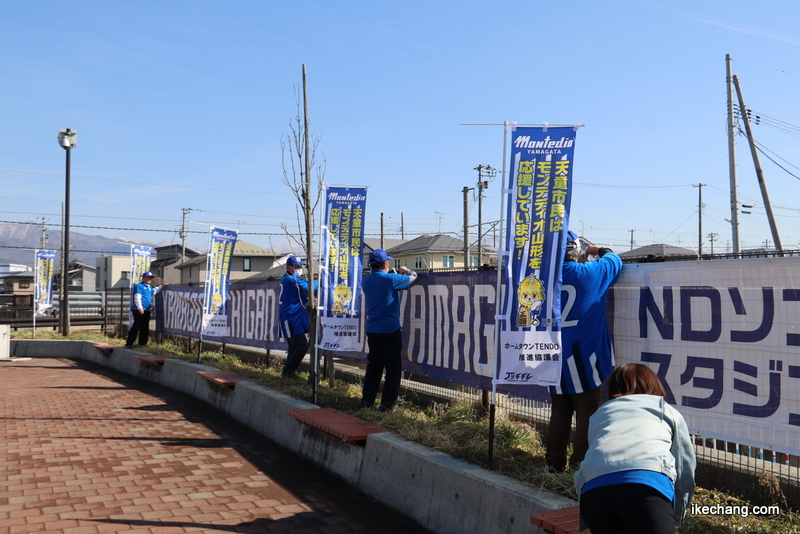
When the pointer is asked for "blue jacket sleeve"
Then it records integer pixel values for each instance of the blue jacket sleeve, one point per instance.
(401, 281)
(612, 267)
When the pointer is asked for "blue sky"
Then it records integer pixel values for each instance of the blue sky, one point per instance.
(184, 104)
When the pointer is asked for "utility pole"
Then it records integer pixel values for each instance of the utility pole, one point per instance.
(490, 172)
(183, 233)
(44, 233)
(757, 162)
(732, 160)
(402, 226)
(382, 246)
(700, 220)
(631, 231)
(712, 237)
(466, 191)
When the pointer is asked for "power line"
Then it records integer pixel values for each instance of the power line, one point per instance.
(145, 168)
(140, 183)
(151, 184)
(627, 186)
(39, 213)
(137, 229)
(71, 250)
(758, 147)
(765, 67)
(760, 119)
(248, 213)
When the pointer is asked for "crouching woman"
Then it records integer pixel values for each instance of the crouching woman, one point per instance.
(638, 474)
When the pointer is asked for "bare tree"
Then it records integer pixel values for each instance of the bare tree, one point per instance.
(299, 159)
(293, 155)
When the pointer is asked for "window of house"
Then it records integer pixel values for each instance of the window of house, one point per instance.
(246, 264)
(125, 275)
(24, 285)
(396, 263)
(474, 261)
(419, 262)
(448, 260)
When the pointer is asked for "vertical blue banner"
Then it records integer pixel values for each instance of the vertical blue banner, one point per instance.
(341, 268)
(221, 244)
(43, 274)
(540, 192)
(141, 257)
(140, 262)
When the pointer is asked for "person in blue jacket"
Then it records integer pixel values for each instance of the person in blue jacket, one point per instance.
(294, 321)
(384, 337)
(638, 474)
(587, 357)
(141, 306)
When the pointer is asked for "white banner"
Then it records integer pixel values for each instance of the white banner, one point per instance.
(723, 337)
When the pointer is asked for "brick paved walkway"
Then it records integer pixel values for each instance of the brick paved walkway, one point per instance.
(85, 450)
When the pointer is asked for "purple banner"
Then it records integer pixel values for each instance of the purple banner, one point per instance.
(447, 321)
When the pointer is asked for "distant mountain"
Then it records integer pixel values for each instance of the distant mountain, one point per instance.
(15, 238)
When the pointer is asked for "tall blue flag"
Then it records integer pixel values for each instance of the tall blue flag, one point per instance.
(221, 244)
(341, 268)
(43, 290)
(540, 191)
(141, 257)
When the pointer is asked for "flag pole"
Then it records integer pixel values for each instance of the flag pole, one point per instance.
(501, 266)
(35, 286)
(203, 310)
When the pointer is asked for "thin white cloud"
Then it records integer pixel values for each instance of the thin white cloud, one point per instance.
(758, 32)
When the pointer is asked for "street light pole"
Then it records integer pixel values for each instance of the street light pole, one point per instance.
(67, 139)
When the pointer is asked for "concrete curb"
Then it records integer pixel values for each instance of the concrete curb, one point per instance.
(445, 495)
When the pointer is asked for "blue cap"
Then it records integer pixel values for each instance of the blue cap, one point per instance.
(148, 274)
(379, 256)
(294, 261)
(572, 236)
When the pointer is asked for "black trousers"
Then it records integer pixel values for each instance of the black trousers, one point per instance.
(583, 405)
(140, 327)
(384, 353)
(298, 347)
(627, 509)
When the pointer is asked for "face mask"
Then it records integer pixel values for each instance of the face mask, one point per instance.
(298, 272)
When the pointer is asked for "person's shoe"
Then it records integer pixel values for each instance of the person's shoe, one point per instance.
(128, 346)
(365, 404)
(553, 470)
(290, 375)
(384, 408)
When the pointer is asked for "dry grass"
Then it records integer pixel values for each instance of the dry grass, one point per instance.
(461, 430)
